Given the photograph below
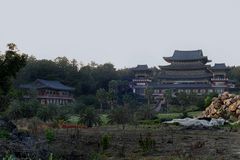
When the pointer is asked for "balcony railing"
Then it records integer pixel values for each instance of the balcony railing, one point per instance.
(51, 96)
(142, 80)
(219, 79)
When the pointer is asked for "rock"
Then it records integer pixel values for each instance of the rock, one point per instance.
(224, 96)
(231, 95)
(6, 124)
(238, 102)
(238, 112)
(227, 102)
(233, 107)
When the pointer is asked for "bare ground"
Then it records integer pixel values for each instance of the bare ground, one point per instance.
(172, 142)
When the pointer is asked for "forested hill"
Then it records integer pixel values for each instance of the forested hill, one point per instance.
(85, 78)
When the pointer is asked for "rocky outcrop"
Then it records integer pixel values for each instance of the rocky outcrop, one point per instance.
(225, 106)
(20, 144)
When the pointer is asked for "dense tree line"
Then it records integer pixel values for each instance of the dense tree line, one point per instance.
(10, 63)
(86, 79)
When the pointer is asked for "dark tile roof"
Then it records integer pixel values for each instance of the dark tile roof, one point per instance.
(183, 77)
(141, 68)
(187, 56)
(185, 66)
(180, 86)
(40, 83)
(219, 66)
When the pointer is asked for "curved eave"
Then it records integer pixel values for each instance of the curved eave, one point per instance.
(141, 70)
(172, 59)
(162, 77)
(223, 69)
(182, 68)
(182, 86)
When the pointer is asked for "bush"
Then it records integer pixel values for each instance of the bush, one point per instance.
(105, 142)
(64, 111)
(147, 144)
(9, 157)
(89, 117)
(49, 112)
(95, 156)
(50, 135)
(26, 109)
(145, 113)
(149, 122)
(184, 114)
(14, 111)
(4, 134)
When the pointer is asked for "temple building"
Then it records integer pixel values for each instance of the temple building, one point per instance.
(48, 92)
(142, 79)
(188, 71)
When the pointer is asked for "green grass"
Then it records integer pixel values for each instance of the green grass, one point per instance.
(170, 116)
(195, 113)
(73, 119)
(104, 119)
(161, 117)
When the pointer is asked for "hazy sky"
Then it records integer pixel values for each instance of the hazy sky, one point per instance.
(124, 32)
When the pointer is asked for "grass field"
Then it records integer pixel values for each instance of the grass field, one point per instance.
(160, 118)
(177, 115)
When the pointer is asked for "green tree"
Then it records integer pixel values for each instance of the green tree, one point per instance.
(121, 116)
(89, 117)
(101, 96)
(10, 63)
(112, 93)
(183, 100)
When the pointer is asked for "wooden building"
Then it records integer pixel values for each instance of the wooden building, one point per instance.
(48, 92)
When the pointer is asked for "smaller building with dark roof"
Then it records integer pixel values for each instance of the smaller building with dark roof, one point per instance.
(48, 92)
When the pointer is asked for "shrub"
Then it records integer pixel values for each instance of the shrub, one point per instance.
(14, 111)
(105, 142)
(184, 114)
(50, 135)
(95, 156)
(44, 114)
(9, 157)
(120, 115)
(4, 134)
(26, 109)
(147, 144)
(89, 117)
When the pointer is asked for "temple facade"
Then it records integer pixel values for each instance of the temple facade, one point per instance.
(48, 92)
(141, 80)
(188, 71)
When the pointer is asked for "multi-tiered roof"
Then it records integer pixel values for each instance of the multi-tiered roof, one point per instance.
(186, 65)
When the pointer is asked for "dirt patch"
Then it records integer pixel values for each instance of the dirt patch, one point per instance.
(170, 142)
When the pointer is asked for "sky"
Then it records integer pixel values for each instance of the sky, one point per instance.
(123, 32)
